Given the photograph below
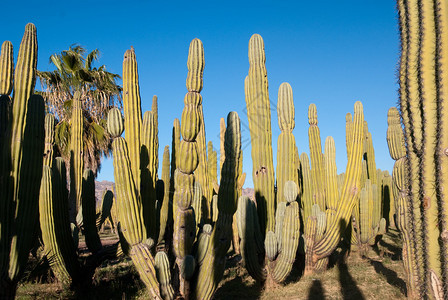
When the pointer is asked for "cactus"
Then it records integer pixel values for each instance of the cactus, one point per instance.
(331, 191)
(184, 220)
(21, 166)
(127, 172)
(49, 139)
(165, 212)
(76, 156)
(290, 234)
(162, 266)
(317, 165)
(423, 113)
(55, 224)
(286, 156)
(307, 195)
(222, 157)
(93, 241)
(259, 116)
(323, 248)
(6, 68)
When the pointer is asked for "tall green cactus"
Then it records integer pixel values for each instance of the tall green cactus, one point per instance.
(166, 209)
(213, 264)
(76, 155)
(423, 89)
(184, 220)
(6, 68)
(317, 164)
(93, 241)
(55, 224)
(286, 156)
(49, 139)
(21, 167)
(259, 115)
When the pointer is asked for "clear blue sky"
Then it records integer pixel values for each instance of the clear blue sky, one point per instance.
(333, 53)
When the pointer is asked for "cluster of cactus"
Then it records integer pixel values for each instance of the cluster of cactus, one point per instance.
(263, 229)
(22, 145)
(59, 232)
(420, 152)
(271, 227)
(178, 230)
(182, 222)
(328, 199)
(367, 220)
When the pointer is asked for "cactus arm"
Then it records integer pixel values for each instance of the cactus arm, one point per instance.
(165, 215)
(93, 241)
(212, 269)
(133, 112)
(222, 130)
(290, 242)
(162, 265)
(317, 165)
(307, 195)
(6, 68)
(349, 193)
(49, 139)
(331, 191)
(131, 217)
(148, 175)
(155, 148)
(251, 244)
(286, 171)
(76, 154)
(26, 203)
(55, 226)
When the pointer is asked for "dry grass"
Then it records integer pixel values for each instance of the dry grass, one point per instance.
(379, 275)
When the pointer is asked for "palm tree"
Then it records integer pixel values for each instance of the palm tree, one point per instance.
(99, 92)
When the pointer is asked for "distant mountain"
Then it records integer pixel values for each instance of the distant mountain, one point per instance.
(100, 186)
(249, 192)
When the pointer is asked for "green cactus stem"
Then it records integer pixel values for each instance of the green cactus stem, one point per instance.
(76, 155)
(286, 154)
(317, 164)
(6, 68)
(349, 193)
(93, 241)
(259, 116)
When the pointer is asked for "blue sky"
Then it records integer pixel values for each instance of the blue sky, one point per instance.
(332, 54)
